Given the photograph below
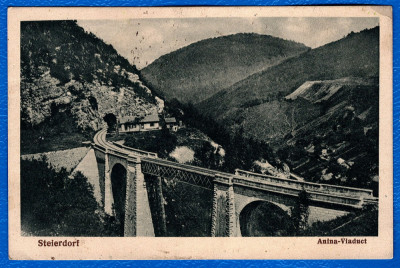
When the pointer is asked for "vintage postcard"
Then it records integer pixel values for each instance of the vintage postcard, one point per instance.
(200, 133)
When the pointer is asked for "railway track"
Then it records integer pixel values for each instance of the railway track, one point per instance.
(151, 162)
(100, 139)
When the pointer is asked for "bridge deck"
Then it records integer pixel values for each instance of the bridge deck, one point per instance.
(317, 187)
(204, 177)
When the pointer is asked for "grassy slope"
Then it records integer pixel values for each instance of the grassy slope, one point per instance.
(67, 159)
(196, 72)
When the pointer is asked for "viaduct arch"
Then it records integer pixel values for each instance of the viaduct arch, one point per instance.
(263, 218)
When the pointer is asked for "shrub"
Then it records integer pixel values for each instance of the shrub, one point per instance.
(52, 204)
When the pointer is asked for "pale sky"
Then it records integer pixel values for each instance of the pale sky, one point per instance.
(142, 41)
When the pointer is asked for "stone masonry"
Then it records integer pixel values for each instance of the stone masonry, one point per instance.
(231, 193)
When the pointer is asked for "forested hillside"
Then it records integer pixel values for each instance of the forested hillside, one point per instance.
(319, 110)
(69, 80)
(196, 72)
(356, 55)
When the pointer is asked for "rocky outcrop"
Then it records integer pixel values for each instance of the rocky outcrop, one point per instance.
(88, 102)
(67, 70)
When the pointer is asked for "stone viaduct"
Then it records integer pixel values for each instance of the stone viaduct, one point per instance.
(124, 194)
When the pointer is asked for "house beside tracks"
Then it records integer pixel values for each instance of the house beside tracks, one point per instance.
(148, 123)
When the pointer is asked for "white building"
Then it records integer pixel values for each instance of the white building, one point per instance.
(149, 122)
(133, 124)
(170, 123)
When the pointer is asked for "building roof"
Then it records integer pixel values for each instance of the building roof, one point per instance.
(150, 118)
(170, 120)
(132, 119)
(127, 119)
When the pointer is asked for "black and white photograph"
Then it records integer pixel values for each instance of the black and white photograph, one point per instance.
(255, 126)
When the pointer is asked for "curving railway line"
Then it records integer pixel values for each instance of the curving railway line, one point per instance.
(100, 139)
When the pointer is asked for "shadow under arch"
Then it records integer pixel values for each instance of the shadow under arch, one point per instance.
(263, 218)
(118, 181)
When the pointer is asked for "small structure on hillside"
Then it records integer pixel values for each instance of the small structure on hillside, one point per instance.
(128, 124)
(148, 123)
(170, 123)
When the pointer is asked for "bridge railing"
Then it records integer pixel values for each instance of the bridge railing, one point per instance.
(309, 186)
(117, 153)
(315, 196)
(99, 147)
(320, 192)
(168, 169)
(137, 151)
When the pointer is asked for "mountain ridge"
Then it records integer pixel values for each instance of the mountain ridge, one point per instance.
(356, 55)
(319, 111)
(196, 71)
